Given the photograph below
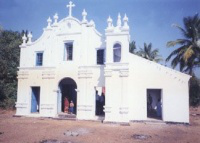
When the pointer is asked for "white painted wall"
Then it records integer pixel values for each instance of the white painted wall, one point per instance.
(145, 75)
(86, 40)
(126, 82)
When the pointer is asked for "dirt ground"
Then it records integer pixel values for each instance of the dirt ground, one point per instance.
(45, 130)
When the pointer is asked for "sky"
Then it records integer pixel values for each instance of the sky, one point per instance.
(149, 20)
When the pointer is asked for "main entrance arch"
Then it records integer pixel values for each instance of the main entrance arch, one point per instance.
(68, 93)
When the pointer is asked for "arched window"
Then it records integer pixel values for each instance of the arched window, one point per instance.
(117, 53)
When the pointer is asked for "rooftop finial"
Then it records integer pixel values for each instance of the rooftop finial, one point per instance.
(70, 6)
(24, 39)
(91, 23)
(49, 22)
(55, 19)
(29, 38)
(125, 19)
(84, 14)
(109, 20)
(119, 23)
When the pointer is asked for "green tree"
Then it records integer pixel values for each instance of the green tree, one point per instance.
(9, 61)
(187, 55)
(1, 29)
(132, 47)
(148, 53)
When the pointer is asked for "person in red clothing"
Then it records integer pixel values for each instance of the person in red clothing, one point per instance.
(66, 105)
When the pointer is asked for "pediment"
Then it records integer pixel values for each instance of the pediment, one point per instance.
(69, 25)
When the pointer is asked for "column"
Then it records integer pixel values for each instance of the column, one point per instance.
(85, 100)
(124, 108)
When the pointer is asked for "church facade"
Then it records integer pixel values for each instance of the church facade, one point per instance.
(72, 60)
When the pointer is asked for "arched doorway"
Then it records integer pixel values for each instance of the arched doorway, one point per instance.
(67, 92)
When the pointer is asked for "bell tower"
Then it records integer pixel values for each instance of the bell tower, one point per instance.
(117, 40)
(116, 70)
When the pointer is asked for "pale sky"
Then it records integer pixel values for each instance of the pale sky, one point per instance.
(149, 20)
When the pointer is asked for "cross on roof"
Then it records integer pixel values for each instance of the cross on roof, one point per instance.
(70, 6)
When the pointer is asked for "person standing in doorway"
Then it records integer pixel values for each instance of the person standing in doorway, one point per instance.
(71, 107)
(66, 105)
(101, 102)
(97, 103)
(159, 108)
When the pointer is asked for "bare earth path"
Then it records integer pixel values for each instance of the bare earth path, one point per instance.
(39, 130)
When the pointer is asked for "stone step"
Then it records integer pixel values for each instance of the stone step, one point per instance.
(65, 116)
(71, 119)
(149, 121)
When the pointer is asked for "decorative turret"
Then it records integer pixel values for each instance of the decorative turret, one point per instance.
(49, 23)
(24, 38)
(117, 46)
(84, 14)
(119, 22)
(29, 38)
(55, 20)
(125, 19)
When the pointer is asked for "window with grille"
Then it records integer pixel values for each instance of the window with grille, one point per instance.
(68, 54)
(100, 57)
(117, 53)
(39, 58)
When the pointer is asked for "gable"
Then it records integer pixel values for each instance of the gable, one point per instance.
(69, 25)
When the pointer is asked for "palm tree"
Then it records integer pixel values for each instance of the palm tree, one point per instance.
(132, 47)
(148, 53)
(187, 56)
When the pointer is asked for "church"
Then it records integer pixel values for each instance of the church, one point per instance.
(73, 62)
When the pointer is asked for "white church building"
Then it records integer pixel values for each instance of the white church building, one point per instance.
(72, 59)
